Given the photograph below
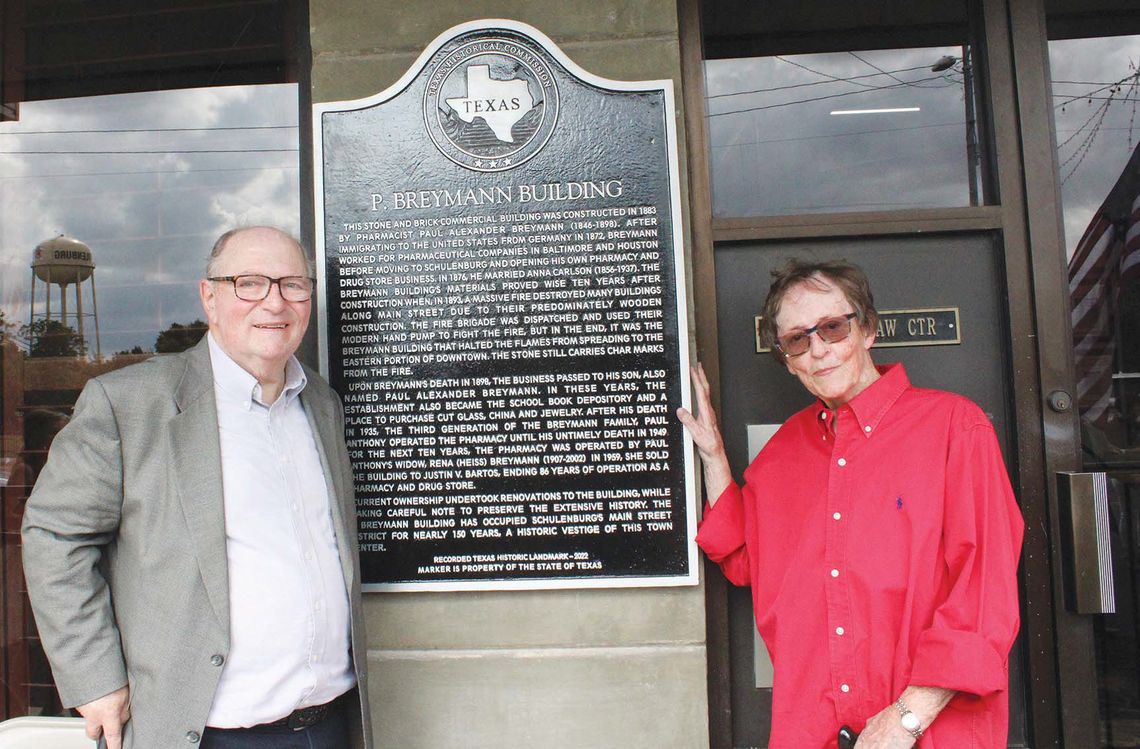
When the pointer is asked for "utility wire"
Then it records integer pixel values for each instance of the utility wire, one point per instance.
(805, 101)
(886, 73)
(162, 152)
(836, 135)
(827, 75)
(812, 83)
(152, 172)
(152, 130)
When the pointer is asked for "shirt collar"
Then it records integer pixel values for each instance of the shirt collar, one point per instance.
(870, 406)
(239, 385)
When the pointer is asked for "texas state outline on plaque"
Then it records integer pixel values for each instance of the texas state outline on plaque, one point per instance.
(501, 104)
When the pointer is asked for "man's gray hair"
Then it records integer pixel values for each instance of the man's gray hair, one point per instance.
(220, 247)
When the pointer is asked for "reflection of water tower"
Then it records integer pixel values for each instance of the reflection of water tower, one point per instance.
(64, 261)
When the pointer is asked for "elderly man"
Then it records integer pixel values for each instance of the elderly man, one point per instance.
(190, 547)
(878, 532)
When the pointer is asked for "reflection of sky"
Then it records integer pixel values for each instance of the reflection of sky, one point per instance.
(781, 134)
(1091, 162)
(192, 164)
(783, 152)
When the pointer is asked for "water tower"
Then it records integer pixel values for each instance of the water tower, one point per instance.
(64, 262)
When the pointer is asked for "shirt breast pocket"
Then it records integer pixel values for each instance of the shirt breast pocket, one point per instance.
(889, 528)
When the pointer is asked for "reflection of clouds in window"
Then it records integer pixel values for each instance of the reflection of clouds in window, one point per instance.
(148, 181)
(777, 147)
(1095, 113)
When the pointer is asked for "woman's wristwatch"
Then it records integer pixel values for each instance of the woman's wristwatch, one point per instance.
(910, 722)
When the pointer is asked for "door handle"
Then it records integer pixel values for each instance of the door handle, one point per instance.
(1086, 548)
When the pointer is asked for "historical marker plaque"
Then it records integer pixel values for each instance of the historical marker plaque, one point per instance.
(503, 313)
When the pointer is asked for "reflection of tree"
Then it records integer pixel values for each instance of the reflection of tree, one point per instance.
(53, 338)
(179, 337)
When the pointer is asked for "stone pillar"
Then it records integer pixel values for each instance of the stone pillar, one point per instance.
(537, 669)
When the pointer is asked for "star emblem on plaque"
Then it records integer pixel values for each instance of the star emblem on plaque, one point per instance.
(491, 101)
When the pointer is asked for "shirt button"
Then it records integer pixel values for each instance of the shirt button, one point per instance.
(835, 573)
(842, 461)
(217, 660)
(836, 516)
(867, 428)
(308, 556)
(193, 737)
(839, 631)
(844, 688)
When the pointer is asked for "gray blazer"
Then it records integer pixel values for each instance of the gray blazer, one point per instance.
(125, 548)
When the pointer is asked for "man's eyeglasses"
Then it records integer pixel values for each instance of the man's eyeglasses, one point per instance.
(255, 288)
(830, 330)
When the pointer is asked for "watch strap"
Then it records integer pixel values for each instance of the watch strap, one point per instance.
(904, 711)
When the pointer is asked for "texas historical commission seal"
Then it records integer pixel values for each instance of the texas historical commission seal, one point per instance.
(490, 103)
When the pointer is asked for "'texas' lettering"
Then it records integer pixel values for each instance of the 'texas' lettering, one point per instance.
(501, 104)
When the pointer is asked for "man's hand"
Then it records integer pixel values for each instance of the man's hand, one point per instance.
(706, 436)
(106, 716)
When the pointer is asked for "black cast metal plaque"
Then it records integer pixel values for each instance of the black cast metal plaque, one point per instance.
(503, 314)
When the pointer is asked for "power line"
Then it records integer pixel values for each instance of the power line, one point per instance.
(153, 130)
(151, 172)
(892, 75)
(826, 75)
(1089, 94)
(1091, 83)
(805, 101)
(812, 83)
(836, 135)
(136, 153)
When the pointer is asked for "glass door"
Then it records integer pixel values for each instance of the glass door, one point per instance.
(1096, 93)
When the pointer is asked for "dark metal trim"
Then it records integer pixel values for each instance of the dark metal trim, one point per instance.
(1030, 480)
(704, 303)
(12, 23)
(301, 69)
(1072, 676)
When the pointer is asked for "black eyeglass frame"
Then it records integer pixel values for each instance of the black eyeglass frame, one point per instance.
(815, 329)
(234, 281)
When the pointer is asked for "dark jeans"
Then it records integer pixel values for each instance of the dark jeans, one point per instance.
(330, 733)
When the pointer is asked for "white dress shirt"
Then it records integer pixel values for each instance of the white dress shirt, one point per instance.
(289, 610)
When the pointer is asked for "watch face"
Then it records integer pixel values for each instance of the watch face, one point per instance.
(910, 722)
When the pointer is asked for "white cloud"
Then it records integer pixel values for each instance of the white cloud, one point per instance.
(149, 215)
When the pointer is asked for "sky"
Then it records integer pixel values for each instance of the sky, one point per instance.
(787, 122)
(148, 181)
(1096, 135)
(771, 123)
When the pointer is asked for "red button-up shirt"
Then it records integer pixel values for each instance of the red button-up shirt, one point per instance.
(881, 546)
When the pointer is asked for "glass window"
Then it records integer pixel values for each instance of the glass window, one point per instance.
(108, 208)
(1096, 92)
(844, 131)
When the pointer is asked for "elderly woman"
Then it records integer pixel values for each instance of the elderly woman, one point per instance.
(879, 534)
